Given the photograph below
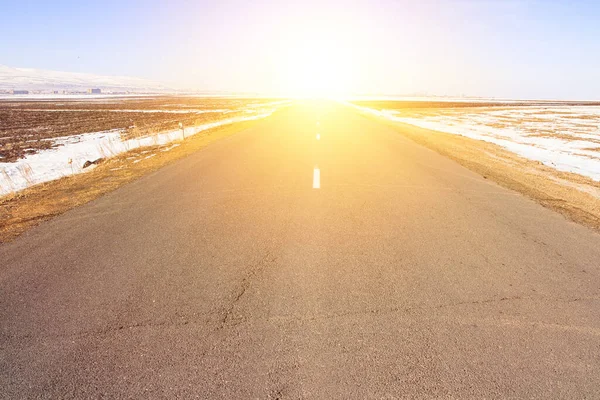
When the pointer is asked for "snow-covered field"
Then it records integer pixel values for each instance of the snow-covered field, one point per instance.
(39, 79)
(566, 138)
(69, 153)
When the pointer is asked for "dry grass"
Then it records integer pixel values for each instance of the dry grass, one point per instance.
(27, 208)
(572, 195)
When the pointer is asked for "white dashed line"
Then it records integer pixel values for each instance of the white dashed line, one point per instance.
(317, 178)
(318, 136)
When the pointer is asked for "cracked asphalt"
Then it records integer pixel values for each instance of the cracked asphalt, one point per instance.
(226, 275)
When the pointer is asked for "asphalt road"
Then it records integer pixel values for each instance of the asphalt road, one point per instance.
(228, 275)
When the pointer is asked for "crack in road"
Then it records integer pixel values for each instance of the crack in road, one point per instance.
(243, 287)
(227, 314)
(111, 329)
(393, 310)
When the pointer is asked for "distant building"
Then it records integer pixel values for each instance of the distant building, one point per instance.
(20, 92)
(94, 91)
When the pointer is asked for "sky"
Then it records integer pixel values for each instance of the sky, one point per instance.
(526, 49)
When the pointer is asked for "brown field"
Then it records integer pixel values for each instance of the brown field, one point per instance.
(27, 126)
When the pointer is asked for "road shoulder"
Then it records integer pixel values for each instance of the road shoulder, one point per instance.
(30, 207)
(574, 196)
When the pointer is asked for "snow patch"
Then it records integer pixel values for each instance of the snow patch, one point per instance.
(564, 138)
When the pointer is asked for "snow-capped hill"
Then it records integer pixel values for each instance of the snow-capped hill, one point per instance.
(43, 80)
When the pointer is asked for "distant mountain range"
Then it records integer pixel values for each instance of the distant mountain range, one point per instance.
(43, 80)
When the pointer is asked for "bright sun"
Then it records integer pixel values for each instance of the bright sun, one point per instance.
(315, 66)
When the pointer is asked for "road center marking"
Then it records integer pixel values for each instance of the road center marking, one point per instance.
(317, 178)
(318, 136)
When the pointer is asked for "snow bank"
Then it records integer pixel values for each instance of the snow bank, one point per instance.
(566, 138)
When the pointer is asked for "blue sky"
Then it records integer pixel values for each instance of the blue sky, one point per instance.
(502, 48)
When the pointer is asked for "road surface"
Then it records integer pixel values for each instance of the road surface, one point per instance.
(316, 255)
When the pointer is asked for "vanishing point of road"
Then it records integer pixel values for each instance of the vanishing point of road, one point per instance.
(318, 254)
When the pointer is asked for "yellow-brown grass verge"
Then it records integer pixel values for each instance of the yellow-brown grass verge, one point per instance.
(574, 196)
(24, 209)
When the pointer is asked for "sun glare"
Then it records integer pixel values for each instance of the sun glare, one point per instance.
(315, 66)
